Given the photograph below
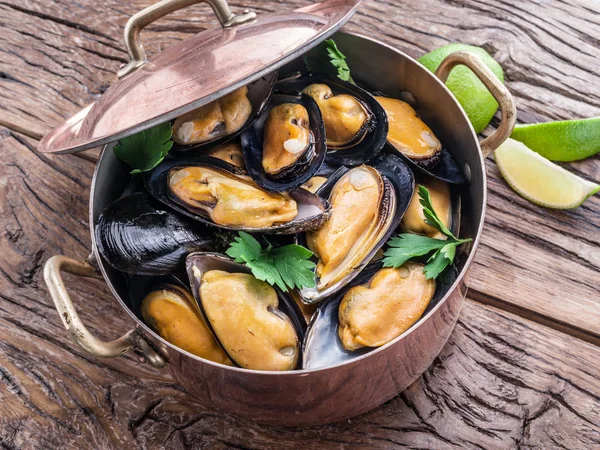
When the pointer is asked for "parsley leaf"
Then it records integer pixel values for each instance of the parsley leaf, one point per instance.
(145, 150)
(244, 248)
(287, 267)
(436, 264)
(338, 60)
(431, 218)
(407, 246)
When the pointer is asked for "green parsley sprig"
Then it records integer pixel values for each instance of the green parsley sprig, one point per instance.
(406, 246)
(338, 60)
(145, 150)
(287, 267)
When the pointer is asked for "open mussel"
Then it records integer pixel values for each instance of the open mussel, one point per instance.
(223, 118)
(390, 303)
(350, 238)
(209, 190)
(286, 145)
(258, 325)
(355, 123)
(136, 235)
(446, 201)
(230, 152)
(169, 308)
(412, 139)
(376, 308)
(441, 200)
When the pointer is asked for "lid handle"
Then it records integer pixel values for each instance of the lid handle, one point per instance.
(137, 55)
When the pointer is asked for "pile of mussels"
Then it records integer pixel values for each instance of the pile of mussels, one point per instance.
(313, 160)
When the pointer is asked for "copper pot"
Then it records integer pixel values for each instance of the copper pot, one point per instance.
(311, 397)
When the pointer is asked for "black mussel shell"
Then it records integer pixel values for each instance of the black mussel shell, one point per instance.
(200, 262)
(303, 169)
(441, 166)
(137, 235)
(313, 211)
(373, 139)
(393, 169)
(259, 94)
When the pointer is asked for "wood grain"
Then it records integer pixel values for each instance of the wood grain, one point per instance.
(501, 382)
(544, 263)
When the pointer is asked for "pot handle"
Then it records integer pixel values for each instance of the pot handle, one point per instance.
(496, 88)
(135, 24)
(79, 333)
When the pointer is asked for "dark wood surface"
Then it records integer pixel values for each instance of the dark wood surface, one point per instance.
(522, 372)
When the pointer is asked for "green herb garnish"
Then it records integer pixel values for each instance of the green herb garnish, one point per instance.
(287, 267)
(145, 150)
(407, 246)
(338, 60)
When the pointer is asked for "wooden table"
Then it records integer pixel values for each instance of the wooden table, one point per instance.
(520, 370)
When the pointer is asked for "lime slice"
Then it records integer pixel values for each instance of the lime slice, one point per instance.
(569, 140)
(473, 96)
(540, 181)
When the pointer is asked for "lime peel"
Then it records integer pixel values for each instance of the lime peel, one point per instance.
(479, 105)
(539, 180)
(567, 140)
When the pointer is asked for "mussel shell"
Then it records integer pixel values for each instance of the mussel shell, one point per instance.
(322, 346)
(303, 169)
(313, 211)
(259, 94)
(392, 168)
(206, 261)
(374, 137)
(441, 166)
(137, 235)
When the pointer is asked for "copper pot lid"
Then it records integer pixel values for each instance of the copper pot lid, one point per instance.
(195, 71)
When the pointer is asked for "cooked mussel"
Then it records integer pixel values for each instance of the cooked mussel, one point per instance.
(411, 138)
(314, 184)
(171, 311)
(286, 145)
(348, 240)
(206, 189)
(392, 301)
(224, 118)
(346, 118)
(375, 308)
(409, 134)
(441, 200)
(355, 123)
(230, 152)
(137, 235)
(256, 324)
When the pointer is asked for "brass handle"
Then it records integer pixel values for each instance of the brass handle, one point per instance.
(496, 88)
(137, 55)
(79, 333)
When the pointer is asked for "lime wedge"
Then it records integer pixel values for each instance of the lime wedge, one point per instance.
(568, 140)
(471, 93)
(540, 181)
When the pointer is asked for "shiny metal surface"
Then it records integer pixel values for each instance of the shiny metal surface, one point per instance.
(496, 88)
(197, 71)
(309, 397)
(77, 330)
(137, 22)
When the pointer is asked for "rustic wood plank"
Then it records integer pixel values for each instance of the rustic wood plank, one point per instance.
(501, 382)
(59, 56)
